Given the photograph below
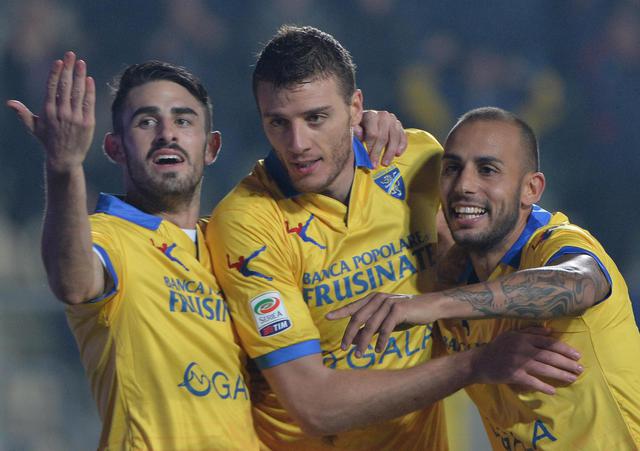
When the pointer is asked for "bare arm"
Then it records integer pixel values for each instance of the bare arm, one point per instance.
(568, 287)
(65, 129)
(327, 401)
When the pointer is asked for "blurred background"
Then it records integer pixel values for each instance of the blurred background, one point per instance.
(571, 68)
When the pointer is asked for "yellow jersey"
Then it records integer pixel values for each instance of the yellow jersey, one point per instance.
(159, 349)
(601, 410)
(284, 259)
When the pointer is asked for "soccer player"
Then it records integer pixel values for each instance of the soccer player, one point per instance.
(153, 329)
(316, 225)
(526, 266)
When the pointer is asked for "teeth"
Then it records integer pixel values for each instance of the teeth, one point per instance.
(472, 212)
(168, 159)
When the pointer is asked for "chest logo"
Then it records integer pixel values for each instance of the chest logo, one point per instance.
(168, 251)
(242, 265)
(301, 231)
(390, 180)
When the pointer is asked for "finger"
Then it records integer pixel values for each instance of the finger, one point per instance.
(52, 88)
(25, 115)
(559, 361)
(539, 369)
(536, 330)
(371, 326)
(65, 82)
(78, 87)
(552, 344)
(89, 101)
(395, 132)
(403, 142)
(386, 328)
(347, 310)
(358, 319)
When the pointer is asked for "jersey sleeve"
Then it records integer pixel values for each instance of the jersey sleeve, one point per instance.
(256, 270)
(553, 242)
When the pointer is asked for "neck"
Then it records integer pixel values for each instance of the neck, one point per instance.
(485, 261)
(179, 210)
(340, 188)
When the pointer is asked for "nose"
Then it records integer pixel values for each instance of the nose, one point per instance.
(166, 132)
(298, 137)
(466, 182)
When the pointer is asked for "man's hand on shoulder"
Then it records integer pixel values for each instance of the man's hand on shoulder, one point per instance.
(382, 130)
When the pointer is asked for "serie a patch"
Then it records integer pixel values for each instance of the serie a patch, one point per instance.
(390, 180)
(270, 314)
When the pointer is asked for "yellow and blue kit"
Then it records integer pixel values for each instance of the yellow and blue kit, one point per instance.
(285, 259)
(159, 349)
(601, 410)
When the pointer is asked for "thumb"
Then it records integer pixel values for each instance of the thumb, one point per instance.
(24, 113)
(357, 130)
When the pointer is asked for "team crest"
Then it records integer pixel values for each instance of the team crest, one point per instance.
(390, 180)
(269, 313)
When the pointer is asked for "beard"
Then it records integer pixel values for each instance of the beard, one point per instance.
(157, 192)
(486, 240)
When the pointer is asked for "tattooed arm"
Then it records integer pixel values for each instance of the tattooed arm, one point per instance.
(568, 287)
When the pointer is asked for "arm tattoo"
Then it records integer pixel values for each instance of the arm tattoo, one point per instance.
(545, 292)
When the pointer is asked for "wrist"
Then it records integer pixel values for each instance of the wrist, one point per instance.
(58, 168)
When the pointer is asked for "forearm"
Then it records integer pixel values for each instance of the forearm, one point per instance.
(331, 401)
(66, 237)
(546, 292)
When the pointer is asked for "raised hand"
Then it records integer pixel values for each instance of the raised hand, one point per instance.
(382, 130)
(525, 358)
(66, 124)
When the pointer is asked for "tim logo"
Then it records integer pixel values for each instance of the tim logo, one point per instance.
(269, 313)
(242, 265)
(167, 250)
(390, 180)
(301, 231)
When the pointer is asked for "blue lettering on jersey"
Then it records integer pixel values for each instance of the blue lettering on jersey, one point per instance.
(390, 180)
(198, 383)
(212, 309)
(394, 350)
(511, 442)
(540, 432)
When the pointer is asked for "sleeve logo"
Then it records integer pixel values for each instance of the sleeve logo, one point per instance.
(270, 314)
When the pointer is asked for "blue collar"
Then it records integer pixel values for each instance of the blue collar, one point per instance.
(277, 171)
(539, 217)
(114, 206)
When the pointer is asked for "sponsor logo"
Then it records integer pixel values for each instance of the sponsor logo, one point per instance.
(390, 180)
(301, 231)
(168, 250)
(270, 314)
(242, 265)
(200, 384)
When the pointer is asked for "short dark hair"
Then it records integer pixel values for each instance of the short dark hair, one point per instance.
(529, 141)
(298, 54)
(138, 74)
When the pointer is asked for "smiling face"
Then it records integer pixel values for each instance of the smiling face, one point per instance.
(164, 145)
(486, 191)
(309, 127)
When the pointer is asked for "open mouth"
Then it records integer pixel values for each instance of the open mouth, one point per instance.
(305, 167)
(467, 212)
(166, 159)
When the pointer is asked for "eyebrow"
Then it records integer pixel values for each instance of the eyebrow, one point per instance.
(156, 110)
(318, 110)
(478, 160)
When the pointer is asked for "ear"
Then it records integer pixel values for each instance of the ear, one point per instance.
(214, 144)
(532, 189)
(356, 107)
(114, 149)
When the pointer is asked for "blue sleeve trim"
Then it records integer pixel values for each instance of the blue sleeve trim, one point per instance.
(283, 355)
(566, 250)
(110, 270)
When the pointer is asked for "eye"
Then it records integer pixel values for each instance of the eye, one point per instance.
(450, 168)
(487, 170)
(147, 122)
(183, 122)
(277, 122)
(315, 119)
